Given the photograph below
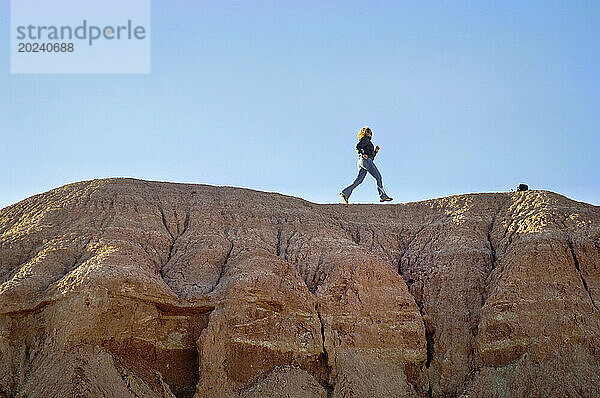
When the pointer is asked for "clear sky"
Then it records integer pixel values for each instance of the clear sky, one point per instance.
(462, 96)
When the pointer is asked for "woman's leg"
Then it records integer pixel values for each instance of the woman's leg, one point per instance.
(374, 171)
(359, 178)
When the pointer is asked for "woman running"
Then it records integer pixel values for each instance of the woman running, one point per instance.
(366, 157)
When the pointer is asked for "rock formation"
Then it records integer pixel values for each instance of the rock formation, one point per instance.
(130, 288)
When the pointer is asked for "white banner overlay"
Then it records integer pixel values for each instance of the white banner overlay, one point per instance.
(80, 36)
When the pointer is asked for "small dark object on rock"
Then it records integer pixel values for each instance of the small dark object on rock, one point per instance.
(522, 187)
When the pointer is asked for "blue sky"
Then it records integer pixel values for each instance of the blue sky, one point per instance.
(462, 96)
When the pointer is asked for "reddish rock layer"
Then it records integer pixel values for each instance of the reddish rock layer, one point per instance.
(129, 288)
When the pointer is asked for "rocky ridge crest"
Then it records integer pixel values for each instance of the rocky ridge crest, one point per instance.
(132, 288)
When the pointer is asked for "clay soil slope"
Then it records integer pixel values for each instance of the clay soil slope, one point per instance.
(130, 288)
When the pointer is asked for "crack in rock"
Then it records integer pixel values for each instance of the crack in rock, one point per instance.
(577, 267)
(325, 359)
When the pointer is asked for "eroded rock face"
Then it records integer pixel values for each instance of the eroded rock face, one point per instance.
(129, 288)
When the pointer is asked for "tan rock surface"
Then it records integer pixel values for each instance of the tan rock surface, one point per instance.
(131, 288)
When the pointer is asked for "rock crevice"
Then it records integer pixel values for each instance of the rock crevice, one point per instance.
(576, 264)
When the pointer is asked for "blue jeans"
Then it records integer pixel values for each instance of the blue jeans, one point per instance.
(364, 166)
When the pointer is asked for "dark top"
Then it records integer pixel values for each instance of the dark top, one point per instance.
(365, 147)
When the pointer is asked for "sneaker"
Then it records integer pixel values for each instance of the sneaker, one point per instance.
(344, 198)
(385, 199)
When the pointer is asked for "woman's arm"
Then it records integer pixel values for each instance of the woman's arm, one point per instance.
(360, 147)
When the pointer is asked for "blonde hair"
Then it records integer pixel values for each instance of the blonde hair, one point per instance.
(364, 131)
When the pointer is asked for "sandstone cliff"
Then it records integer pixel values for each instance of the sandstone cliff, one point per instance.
(130, 288)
